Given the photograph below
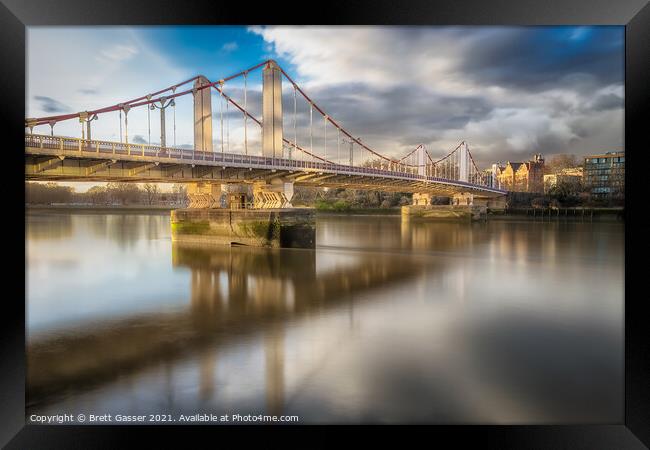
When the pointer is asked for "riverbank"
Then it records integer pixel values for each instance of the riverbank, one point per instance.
(577, 213)
(101, 208)
(357, 212)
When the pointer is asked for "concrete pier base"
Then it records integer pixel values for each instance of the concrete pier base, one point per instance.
(287, 228)
(445, 212)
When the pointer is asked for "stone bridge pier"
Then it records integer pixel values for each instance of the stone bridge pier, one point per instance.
(464, 206)
(219, 214)
(463, 198)
(421, 199)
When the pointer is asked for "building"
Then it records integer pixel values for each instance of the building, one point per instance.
(523, 176)
(604, 174)
(572, 175)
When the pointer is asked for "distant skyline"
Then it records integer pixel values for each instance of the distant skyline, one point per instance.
(508, 91)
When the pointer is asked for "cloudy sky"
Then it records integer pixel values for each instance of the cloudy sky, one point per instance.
(508, 91)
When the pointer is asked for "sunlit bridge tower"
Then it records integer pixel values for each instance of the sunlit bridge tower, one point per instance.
(202, 115)
(272, 111)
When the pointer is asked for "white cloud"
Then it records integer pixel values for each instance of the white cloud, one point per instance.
(88, 69)
(118, 52)
(229, 47)
(432, 61)
(393, 86)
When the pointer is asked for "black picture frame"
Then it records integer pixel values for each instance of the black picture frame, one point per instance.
(15, 15)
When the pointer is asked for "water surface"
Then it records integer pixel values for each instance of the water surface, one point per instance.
(385, 322)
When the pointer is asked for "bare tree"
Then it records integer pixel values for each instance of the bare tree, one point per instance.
(180, 193)
(123, 193)
(98, 195)
(46, 193)
(563, 161)
(152, 192)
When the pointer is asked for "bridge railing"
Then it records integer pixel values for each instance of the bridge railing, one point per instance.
(76, 146)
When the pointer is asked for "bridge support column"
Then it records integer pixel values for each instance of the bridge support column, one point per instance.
(461, 208)
(494, 204)
(463, 198)
(202, 116)
(272, 111)
(235, 196)
(277, 194)
(497, 202)
(204, 195)
(421, 199)
(289, 228)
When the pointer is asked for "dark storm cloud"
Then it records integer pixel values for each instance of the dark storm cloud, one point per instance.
(536, 58)
(419, 115)
(510, 91)
(551, 143)
(369, 112)
(50, 105)
(608, 101)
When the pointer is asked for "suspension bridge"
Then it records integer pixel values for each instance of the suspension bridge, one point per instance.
(277, 148)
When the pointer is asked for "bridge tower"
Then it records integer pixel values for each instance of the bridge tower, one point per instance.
(272, 111)
(421, 161)
(463, 162)
(202, 116)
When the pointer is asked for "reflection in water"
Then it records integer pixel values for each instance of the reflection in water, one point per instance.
(386, 321)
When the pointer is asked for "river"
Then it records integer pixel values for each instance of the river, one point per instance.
(387, 321)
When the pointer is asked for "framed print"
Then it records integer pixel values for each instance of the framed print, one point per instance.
(414, 218)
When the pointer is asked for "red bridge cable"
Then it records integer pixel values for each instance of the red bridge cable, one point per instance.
(234, 103)
(138, 101)
(344, 131)
(330, 120)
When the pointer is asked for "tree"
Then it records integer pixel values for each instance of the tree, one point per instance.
(98, 195)
(46, 193)
(152, 192)
(180, 193)
(559, 162)
(566, 193)
(123, 193)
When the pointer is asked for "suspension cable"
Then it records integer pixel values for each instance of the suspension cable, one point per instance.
(338, 146)
(228, 126)
(139, 101)
(149, 99)
(325, 134)
(126, 126)
(221, 115)
(245, 115)
(295, 121)
(149, 120)
(174, 119)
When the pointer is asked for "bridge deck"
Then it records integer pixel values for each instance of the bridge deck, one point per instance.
(71, 159)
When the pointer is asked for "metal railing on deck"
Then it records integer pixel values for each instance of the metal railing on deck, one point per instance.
(76, 146)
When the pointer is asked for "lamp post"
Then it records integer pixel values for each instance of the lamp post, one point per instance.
(162, 108)
(351, 142)
(85, 117)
